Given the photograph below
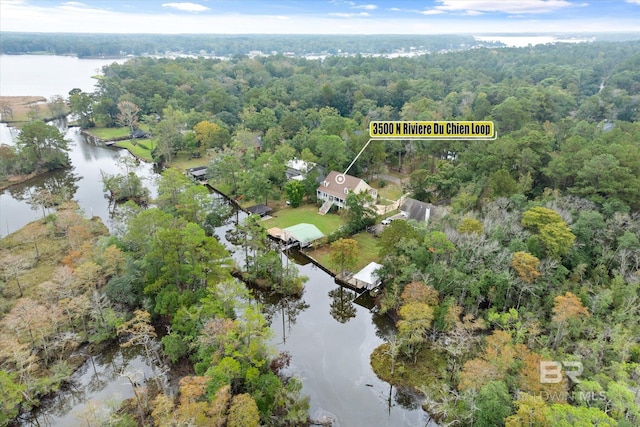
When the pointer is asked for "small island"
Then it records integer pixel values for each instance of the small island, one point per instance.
(40, 148)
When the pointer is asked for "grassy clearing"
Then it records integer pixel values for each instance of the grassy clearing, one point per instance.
(428, 372)
(109, 134)
(141, 150)
(183, 161)
(22, 106)
(37, 296)
(368, 246)
(50, 246)
(367, 252)
(391, 190)
(288, 216)
(33, 270)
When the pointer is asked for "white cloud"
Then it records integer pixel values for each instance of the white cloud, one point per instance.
(186, 7)
(504, 6)
(366, 6)
(74, 7)
(48, 16)
(348, 15)
(633, 1)
(431, 12)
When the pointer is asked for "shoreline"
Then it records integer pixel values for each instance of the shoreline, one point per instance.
(18, 179)
(19, 108)
(13, 180)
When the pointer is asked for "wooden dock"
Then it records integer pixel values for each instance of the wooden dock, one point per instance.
(347, 279)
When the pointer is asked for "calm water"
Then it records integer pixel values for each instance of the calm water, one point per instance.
(96, 390)
(48, 75)
(329, 337)
(524, 41)
(82, 182)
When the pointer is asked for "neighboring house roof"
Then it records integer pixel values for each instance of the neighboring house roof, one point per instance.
(259, 210)
(300, 165)
(197, 172)
(368, 275)
(303, 232)
(417, 210)
(340, 187)
(139, 133)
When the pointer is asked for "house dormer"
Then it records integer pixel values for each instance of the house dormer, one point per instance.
(346, 190)
(325, 183)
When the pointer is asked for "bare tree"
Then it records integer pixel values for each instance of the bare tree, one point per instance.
(13, 266)
(6, 112)
(135, 379)
(393, 349)
(128, 114)
(57, 107)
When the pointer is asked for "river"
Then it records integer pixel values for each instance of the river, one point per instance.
(329, 337)
(82, 182)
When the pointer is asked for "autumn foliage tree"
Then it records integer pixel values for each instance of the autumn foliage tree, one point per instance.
(210, 135)
(551, 229)
(492, 365)
(415, 321)
(470, 226)
(566, 308)
(243, 412)
(419, 292)
(526, 265)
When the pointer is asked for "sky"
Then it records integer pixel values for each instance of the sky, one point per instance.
(320, 16)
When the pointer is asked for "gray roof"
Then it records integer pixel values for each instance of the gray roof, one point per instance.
(417, 210)
(259, 210)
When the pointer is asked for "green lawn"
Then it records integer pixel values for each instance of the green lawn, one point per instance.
(141, 150)
(391, 190)
(183, 161)
(108, 134)
(367, 252)
(288, 216)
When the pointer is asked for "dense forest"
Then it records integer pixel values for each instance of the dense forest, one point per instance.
(537, 259)
(94, 45)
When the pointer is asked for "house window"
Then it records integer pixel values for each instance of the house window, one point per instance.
(346, 190)
(325, 183)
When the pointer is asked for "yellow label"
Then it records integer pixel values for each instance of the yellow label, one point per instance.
(432, 130)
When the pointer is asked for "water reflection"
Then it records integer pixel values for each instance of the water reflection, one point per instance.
(47, 191)
(330, 333)
(82, 182)
(286, 308)
(96, 387)
(332, 358)
(341, 307)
